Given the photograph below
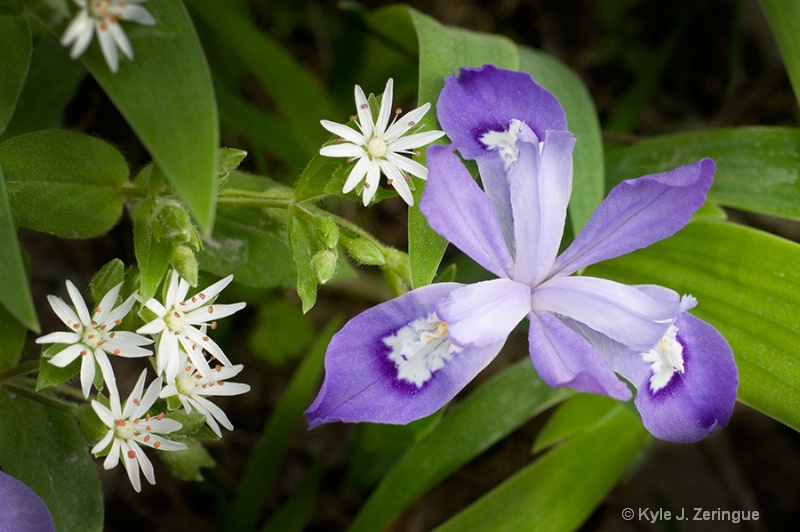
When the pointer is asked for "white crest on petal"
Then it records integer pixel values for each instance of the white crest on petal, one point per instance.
(666, 359)
(421, 348)
(505, 142)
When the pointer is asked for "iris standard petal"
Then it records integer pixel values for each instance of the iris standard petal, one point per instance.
(485, 313)
(694, 403)
(362, 382)
(22, 509)
(622, 312)
(541, 183)
(486, 99)
(562, 357)
(637, 213)
(457, 209)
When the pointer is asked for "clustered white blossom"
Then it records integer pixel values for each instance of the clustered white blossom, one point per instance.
(380, 146)
(178, 328)
(102, 17)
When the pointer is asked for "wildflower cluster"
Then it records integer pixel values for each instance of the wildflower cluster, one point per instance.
(176, 328)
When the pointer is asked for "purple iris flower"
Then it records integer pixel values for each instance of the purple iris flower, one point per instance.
(405, 358)
(22, 510)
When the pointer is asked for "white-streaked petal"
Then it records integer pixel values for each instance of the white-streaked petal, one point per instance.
(397, 180)
(224, 389)
(107, 46)
(407, 165)
(212, 312)
(136, 395)
(66, 314)
(215, 411)
(144, 463)
(105, 415)
(104, 442)
(415, 141)
(120, 312)
(152, 327)
(106, 305)
(106, 370)
(88, 371)
(131, 465)
(113, 457)
(372, 182)
(137, 14)
(78, 304)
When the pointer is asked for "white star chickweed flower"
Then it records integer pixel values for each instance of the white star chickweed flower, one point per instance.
(132, 425)
(379, 146)
(192, 388)
(92, 337)
(175, 324)
(102, 17)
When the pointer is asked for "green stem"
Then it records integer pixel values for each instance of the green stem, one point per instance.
(20, 369)
(51, 402)
(130, 190)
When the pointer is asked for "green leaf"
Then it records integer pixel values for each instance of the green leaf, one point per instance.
(152, 254)
(50, 375)
(15, 292)
(267, 457)
(11, 7)
(751, 298)
(560, 490)
(109, 276)
(166, 96)
(758, 168)
(442, 51)
(52, 81)
(281, 332)
(588, 181)
(304, 247)
(15, 49)
(470, 427)
(64, 183)
(784, 19)
(186, 464)
(574, 416)
(13, 334)
(249, 240)
(44, 448)
(295, 92)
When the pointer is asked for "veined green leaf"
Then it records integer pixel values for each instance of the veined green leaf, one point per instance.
(44, 448)
(574, 416)
(746, 283)
(265, 461)
(15, 49)
(588, 180)
(559, 490)
(483, 418)
(166, 96)
(784, 19)
(15, 292)
(64, 183)
(758, 168)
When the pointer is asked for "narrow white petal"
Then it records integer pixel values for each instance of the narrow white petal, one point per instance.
(105, 415)
(415, 141)
(406, 122)
(121, 39)
(136, 395)
(107, 45)
(87, 373)
(106, 370)
(103, 443)
(66, 314)
(153, 327)
(357, 174)
(207, 296)
(120, 312)
(364, 114)
(65, 357)
(107, 305)
(386, 109)
(131, 465)
(137, 14)
(397, 181)
(59, 337)
(79, 304)
(372, 182)
(345, 149)
(347, 133)
(212, 312)
(224, 389)
(408, 165)
(144, 462)
(113, 457)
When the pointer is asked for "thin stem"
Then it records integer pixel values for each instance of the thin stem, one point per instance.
(20, 369)
(51, 402)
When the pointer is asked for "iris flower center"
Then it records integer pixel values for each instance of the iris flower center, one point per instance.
(421, 348)
(505, 142)
(666, 359)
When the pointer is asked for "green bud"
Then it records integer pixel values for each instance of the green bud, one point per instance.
(183, 260)
(172, 223)
(324, 265)
(364, 251)
(327, 231)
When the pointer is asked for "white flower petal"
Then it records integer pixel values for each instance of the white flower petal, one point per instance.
(386, 109)
(345, 149)
(364, 115)
(341, 130)
(60, 337)
(402, 125)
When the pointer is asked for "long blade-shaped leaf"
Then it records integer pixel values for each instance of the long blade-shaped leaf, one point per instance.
(784, 19)
(560, 490)
(15, 49)
(758, 169)
(485, 417)
(15, 293)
